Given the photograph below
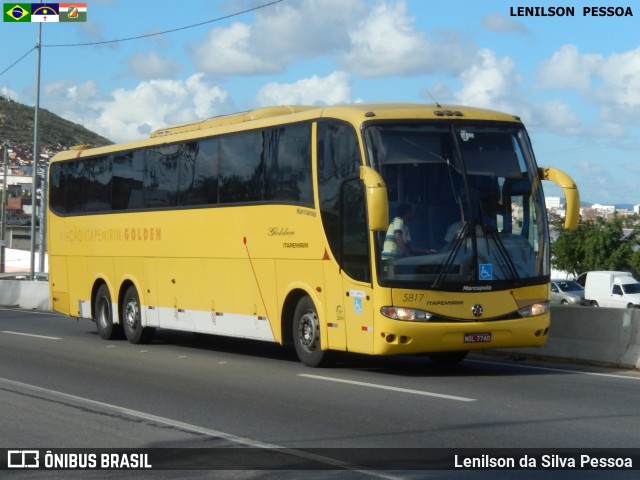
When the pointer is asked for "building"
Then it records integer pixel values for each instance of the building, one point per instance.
(553, 203)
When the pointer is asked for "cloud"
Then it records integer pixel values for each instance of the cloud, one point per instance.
(609, 83)
(7, 92)
(490, 82)
(279, 36)
(385, 42)
(500, 23)
(75, 102)
(152, 65)
(130, 114)
(620, 74)
(597, 174)
(229, 51)
(366, 39)
(330, 90)
(569, 69)
(556, 116)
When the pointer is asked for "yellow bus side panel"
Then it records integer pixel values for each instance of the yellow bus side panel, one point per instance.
(335, 323)
(79, 285)
(58, 284)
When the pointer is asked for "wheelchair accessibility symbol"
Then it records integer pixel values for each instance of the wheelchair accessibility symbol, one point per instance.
(486, 271)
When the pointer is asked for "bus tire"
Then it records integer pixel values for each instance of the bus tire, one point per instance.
(448, 358)
(132, 318)
(306, 335)
(103, 315)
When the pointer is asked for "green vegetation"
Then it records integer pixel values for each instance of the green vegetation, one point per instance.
(16, 127)
(597, 244)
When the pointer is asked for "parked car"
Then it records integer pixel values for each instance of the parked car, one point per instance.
(567, 292)
(612, 289)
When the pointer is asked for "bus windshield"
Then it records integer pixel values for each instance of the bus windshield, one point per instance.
(466, 199)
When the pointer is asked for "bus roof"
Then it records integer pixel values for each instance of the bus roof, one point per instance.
(366, 110)
(355, 113)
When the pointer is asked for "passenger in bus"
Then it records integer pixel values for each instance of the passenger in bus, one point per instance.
(397, 242)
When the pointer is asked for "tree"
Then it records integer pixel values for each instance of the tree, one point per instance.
(595, 245)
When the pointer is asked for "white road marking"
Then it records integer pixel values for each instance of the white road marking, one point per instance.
(551, 369)
(247, 442)
(31, 335)
(387, 387)
(32, 312)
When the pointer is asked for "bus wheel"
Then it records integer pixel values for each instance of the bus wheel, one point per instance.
(132, 318)
(103, 315)
(448, 358)
(306, 335)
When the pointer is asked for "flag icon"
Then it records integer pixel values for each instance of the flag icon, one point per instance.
(73, 12)
(17, 12)
(44, 12)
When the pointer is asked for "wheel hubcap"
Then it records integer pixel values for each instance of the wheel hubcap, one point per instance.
(131, 314)
(308, 330)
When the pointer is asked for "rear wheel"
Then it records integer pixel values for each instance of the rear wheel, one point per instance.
(306, 335)
(132, 318)
(103, 315)
(594, 303)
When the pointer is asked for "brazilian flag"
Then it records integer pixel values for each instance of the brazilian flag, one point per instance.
(17, 12)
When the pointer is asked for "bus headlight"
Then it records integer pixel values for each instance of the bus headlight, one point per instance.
(406, 314)
(534, 309)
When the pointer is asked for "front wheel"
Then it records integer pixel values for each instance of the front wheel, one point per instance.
(132, 318)
(306, 335)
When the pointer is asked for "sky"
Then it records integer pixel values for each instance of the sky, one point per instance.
(138, 65)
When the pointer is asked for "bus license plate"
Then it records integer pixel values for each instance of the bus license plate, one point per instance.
(477, 337)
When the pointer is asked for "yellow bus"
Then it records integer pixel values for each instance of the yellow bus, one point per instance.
(272, 225)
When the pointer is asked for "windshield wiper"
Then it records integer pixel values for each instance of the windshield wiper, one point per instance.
(460, 239)
(503, 252)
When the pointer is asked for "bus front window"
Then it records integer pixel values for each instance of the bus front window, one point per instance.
(474, 196)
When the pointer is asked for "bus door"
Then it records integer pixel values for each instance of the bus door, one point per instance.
(355, 266)
(341, 197)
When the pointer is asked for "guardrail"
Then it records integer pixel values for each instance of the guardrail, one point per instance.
(27, 294)
(599, 336)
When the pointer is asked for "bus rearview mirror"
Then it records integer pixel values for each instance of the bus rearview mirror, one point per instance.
(377, 204)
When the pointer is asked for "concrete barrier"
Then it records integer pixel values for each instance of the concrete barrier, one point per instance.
(29, 295)
(599, 336)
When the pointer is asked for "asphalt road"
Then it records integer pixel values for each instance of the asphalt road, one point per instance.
(62, 386)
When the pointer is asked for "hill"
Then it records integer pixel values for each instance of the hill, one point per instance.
(16, 127)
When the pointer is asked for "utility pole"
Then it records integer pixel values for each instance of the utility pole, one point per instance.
(34, 163)
(3, 225)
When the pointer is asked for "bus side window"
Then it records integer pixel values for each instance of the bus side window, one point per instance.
(339, 160)
(289, 165)
(203, 188)
(355, 244)
(241, 171)
(128, 171)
